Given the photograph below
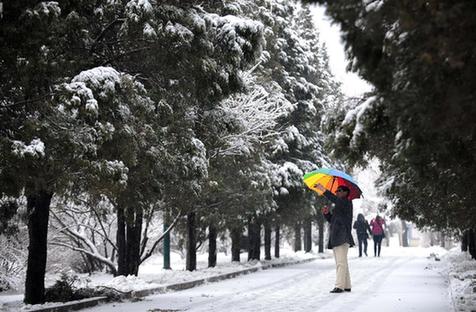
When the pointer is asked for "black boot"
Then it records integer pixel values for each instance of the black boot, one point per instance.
(337, 290)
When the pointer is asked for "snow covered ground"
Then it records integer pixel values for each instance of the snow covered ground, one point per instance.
(402, 279)
(152, 274)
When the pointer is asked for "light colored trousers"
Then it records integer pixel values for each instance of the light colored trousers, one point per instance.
(342, 267)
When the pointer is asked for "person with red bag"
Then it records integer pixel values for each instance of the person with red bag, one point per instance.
(378, 234)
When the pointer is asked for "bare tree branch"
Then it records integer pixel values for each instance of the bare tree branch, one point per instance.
(150, 251)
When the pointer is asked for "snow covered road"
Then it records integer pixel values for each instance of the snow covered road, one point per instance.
(390, 283)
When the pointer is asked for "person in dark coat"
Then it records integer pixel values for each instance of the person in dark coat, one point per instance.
(362, 228)
(340, 236)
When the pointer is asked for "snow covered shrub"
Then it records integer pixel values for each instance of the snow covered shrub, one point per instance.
(62, 290)
(66, 289)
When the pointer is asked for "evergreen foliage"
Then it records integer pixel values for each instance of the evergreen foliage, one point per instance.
(420, 119)
(210, 110)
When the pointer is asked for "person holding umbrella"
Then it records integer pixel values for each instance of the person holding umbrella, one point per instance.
(340, 237)
(341, 189)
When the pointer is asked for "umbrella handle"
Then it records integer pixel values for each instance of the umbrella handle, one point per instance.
(332, 185)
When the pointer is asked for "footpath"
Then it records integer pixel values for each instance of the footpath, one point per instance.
(148, 290)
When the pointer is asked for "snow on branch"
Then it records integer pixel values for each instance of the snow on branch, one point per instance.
(255, 115)
(357, 115)
(79, 235)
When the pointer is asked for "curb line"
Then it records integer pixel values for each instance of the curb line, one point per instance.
(90, 302)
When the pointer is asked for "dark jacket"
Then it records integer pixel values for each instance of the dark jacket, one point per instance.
(362, 227)
(340, 220)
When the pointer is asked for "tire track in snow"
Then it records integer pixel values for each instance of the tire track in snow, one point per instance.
(249, 299)
(307, 291)
(364, 283)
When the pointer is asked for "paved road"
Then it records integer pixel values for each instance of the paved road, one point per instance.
(392, 283)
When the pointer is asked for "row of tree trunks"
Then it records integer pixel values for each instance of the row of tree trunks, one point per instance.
(38, 208)
(254, 240)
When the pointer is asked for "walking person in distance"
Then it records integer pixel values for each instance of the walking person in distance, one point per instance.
(362, 228)
(378, 234)
(340, 236)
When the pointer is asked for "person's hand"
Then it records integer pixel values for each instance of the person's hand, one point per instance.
(320, 187)
(325, 210)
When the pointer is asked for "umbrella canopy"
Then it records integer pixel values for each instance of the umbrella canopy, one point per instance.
(331, 179)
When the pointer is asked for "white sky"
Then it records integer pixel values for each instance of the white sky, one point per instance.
(352, 84)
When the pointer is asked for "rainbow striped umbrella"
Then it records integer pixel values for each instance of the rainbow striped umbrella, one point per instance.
(331, 179)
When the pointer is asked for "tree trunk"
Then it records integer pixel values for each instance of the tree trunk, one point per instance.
(191, 261)
(38, 207)
(212, 246)
(405, 234)
(133, 237)
(267, 241)
(235, 244)
(166, 242)
(121, 242)
(276, 241)
(254, 237)
(472, 243)
(297, 237)
(251, 245)
(257, 241)
(308, 236)
(464, 240)
(320, 224)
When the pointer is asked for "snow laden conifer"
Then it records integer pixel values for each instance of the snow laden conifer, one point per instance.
(190, 58)
(418, 122)
(296, 61)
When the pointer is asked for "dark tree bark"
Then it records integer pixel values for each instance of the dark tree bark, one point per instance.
(405, 234)
(276, 241)
(133, 235)
(308, 236)
(297, 237)
(121, 242)
(267, 241)
(320, 224)
(464, 241)
(212, 246)
(254, 236)
(257, 241)
(472, 243)
(191, 261)
(38, 207)
(235, 244)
